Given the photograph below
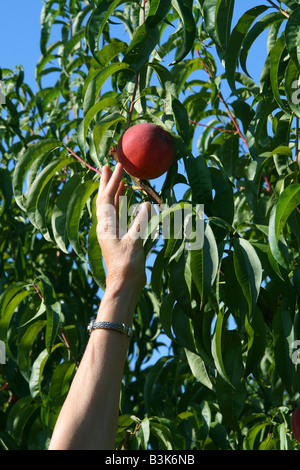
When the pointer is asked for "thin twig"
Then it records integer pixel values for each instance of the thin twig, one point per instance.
(279, 8)
(212, 127)
(211, 76)
(82, 161)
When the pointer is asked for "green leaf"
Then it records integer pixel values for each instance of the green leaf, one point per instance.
(181, 71)
(231, 398)
(204, 264)
(61, 380)
(165, 77)
(142, 45)
(35, 153)
(157, 11)
(288, 200)
(76, 204)
(253, 34)
(97, 22)
(236, 41)
(40, 182)
(95, 254)
(95, 85)
(222, 205)
(103, 124)
(26, 345)
(88, 118)
(68, 49)
(256, 331)
(209, 16)
(292, 86)
(198, 368)
(53, 310)
(184, 9)
(224, 13)
(19, 416)
(200, 180)
(282, 150)
(5, 189)
(177, 269)
(59, 213)
(9, 301)
(182, 328)
(111, 50)
(216, 348)
(252, 435)
(36, 376)
(165, 314)
(248, 270)
(276, 58)
(292, 37)
(47, 19)
(283, 349)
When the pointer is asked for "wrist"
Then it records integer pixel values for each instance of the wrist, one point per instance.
(118, 303)
(119, 282)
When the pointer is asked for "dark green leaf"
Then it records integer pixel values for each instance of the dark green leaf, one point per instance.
(236, 41)
(292, 37)
(184, 9)
(231, 398)
(248, 270)
(286, 203)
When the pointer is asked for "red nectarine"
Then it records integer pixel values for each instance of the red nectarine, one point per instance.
(146, 151)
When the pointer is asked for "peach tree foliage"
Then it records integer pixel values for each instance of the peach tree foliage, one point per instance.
(230, 310)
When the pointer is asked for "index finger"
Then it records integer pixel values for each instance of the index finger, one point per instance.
(109, 183)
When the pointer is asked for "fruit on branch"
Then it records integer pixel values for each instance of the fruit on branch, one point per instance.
(146, 151)
(296, 423)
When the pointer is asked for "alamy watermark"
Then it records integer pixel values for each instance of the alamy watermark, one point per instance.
(2, 353)
(2, 92)
(296, 354)
(181, 221)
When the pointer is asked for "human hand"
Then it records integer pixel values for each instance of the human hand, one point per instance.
(122, 250)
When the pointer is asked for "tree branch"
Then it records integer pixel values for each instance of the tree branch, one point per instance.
(279, 8)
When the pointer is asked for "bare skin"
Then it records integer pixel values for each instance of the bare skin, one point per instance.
(89, 416)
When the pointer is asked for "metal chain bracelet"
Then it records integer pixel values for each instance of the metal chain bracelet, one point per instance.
(121, 327)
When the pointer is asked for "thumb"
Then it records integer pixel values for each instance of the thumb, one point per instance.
(140, 221)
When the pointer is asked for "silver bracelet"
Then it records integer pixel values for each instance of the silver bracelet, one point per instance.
(121, 327)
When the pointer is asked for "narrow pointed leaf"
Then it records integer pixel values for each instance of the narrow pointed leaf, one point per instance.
(248, 270)
(292, 37)
(236, 41)
(185, 10)
(76, 204)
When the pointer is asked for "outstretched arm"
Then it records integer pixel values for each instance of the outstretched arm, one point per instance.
(89, 416)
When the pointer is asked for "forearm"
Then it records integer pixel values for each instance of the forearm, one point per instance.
(88, 419)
